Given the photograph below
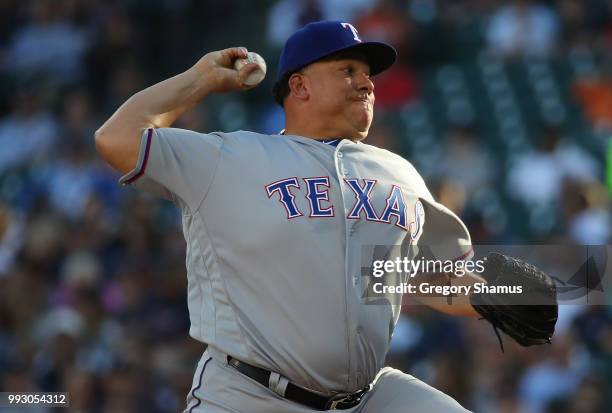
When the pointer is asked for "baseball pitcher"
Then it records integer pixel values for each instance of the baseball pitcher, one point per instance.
(275, 226)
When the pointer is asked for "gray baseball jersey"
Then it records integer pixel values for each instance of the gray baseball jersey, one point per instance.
(275, 227)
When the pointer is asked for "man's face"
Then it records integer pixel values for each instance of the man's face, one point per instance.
(342, 95)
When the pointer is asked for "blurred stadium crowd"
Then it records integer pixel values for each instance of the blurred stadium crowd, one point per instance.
(504, 106)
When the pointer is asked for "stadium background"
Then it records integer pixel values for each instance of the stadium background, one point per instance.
(504, 106)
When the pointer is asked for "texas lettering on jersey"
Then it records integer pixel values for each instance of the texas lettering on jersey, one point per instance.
(317, 194)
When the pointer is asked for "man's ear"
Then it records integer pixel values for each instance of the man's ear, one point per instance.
(298, 86)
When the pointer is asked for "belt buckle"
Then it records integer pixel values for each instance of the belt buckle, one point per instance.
(347, 398)
(334, 402)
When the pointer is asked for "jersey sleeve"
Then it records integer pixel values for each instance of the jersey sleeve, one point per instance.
(176, 164)
(444, 236)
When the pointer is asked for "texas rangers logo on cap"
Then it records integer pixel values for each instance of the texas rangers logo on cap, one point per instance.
(353, 29)
(324, 38)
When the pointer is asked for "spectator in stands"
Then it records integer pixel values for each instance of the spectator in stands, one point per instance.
(465, 162)
(78, 118)
(586, 212)
(555, 374)
(536, 178)
(523, 27)
(28, 132)
(584, 21)
(48, 43)
(594, 91)
(71, 180)
(286, 16)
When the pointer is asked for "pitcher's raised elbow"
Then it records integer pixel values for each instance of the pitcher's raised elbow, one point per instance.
(101, 139)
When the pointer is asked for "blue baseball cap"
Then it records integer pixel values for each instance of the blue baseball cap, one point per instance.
(324, 38)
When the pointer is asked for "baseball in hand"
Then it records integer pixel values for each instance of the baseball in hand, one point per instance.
(256, 75)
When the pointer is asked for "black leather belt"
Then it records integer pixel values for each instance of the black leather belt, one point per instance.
(298, 394)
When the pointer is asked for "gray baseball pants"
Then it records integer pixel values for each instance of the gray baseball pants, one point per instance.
(218, 387)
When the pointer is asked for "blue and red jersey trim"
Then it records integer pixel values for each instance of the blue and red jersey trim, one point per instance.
(145, 160)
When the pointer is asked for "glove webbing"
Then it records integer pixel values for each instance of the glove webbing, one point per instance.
(496, 330)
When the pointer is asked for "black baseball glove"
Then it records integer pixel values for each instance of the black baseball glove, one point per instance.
(528, 316)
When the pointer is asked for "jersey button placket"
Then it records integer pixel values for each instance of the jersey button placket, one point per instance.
(347, 199)
(341, 167)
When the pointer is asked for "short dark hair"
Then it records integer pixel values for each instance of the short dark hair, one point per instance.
(280, 90)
